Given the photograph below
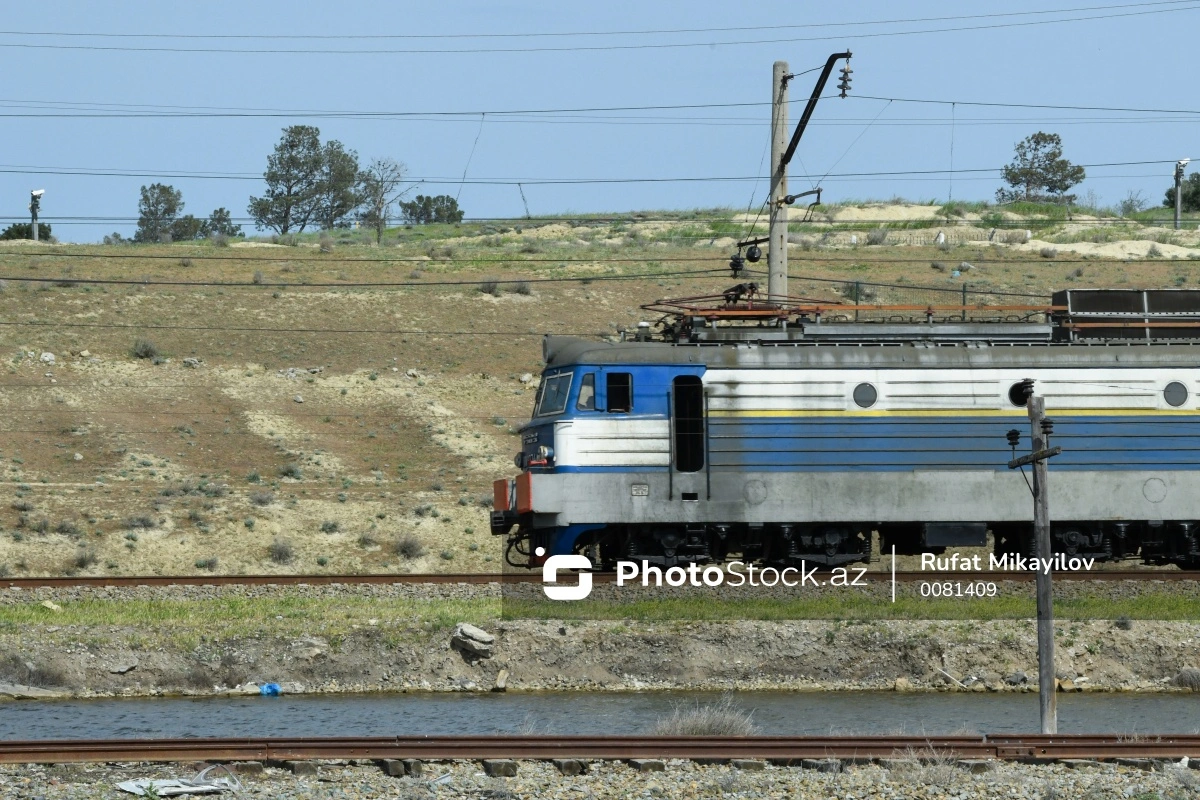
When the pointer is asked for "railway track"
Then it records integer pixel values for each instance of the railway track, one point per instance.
(535, 576)
(778, 749)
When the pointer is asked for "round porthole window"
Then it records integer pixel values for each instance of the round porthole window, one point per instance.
(865, 395)
(1175, 393)
(1016, 394)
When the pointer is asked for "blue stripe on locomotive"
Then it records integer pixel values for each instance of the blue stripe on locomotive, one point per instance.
(895, 443)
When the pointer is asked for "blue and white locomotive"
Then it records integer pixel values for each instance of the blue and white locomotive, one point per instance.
(797, 438)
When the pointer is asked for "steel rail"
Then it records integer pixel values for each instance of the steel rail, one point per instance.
(535, 576)
(780, 749)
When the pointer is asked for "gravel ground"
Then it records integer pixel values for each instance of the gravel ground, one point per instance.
(682, 779)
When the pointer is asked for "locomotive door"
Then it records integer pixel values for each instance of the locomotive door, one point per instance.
(688, 409)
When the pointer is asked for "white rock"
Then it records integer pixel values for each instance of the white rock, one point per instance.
(50, 604)
(471, 632)
(78, 456)
(84, 354)
(298, 399)
(527, 378)
(47, 358)
(471, 646)
(412, 373)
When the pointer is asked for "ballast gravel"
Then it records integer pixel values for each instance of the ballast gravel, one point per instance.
(907, 779)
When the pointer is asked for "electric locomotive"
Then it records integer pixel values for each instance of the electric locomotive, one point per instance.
(779, 435)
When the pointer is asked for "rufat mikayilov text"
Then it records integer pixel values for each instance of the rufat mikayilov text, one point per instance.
(1008, 562)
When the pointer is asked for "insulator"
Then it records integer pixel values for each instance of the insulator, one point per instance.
(1047, 426)
(737, 263)
(844, 83)
(753, 253)
(1014, 438)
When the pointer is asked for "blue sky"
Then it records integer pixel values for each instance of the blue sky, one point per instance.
(1140, 59)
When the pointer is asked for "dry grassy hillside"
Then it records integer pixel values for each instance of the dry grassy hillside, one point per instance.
(344, 428)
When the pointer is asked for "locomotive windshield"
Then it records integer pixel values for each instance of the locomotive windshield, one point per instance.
(552, 396)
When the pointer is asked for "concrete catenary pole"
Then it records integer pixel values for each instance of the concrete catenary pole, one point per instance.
(777, 263)
(1179, 167)
(35, 202)
(1047, 685)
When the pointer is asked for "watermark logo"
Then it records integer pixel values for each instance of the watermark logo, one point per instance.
(551, 568)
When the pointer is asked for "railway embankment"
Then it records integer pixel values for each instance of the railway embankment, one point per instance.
(206, 640)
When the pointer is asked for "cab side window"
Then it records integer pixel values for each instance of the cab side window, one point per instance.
(620, 392)
(587, 393)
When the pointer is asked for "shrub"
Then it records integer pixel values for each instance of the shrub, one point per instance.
(281, 552)
(522, 287)
(22, 505)
(322, 561)
(877, 236)
(253, 477)
(84, 558)
(928, 766)
(1188, 678)
(367, 540)
(209, 563)
(325, 244)
(16, 669)
(291, 471)
(1124, 623)
(143, 522)
(185, 262)
(144, 348)
(1154, 252)
(490, 286)
(1048, 252)
(329, 526)
(1014, 237)
(721, 718)
(447, 555)
(249, 523)
(67, 528)
(258, 277)
(219, 240)
(408, 546)
(262, 498)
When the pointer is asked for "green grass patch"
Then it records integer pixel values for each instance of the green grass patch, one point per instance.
(239, 617)
(854, 607)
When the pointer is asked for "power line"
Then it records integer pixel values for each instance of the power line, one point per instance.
(353, 285)
(1186, 5)
(450, 180)
(260, 329)
(1025, 105)
(557, 34)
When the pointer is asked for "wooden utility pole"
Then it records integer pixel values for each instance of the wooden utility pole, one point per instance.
(777, 256)
(1040, 428)
(1045, 598)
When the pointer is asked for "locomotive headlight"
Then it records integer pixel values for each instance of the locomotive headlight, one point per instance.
(545, 452)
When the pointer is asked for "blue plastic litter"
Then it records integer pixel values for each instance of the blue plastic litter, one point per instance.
(269, 690)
